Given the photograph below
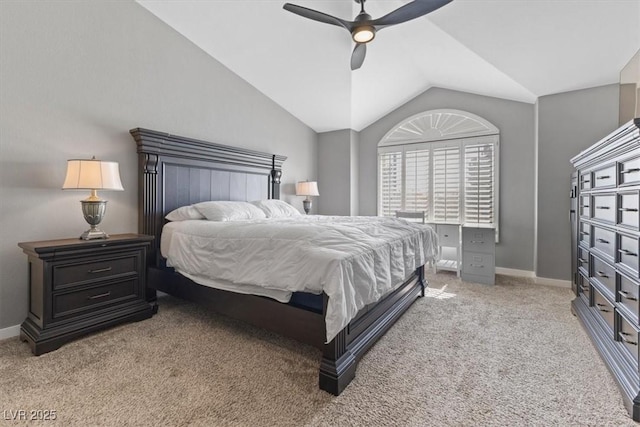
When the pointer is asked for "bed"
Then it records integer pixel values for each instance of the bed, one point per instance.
(175, 171)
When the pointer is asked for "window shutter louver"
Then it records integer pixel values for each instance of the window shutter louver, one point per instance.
(479, 177)
(390, 191)
(417, 181)
(446, 184)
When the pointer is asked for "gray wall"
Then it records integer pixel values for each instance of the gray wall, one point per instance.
(75, 76)
(568, 123)
(516, 123)
(338, 172)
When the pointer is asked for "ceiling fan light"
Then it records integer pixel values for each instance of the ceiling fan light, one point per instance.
(363, 34)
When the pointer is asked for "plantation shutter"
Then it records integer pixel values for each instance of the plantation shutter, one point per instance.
(479, 182)
(390, 182)
(417, 181)
(446, 184)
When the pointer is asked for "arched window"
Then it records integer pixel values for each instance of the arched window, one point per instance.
(442, 162)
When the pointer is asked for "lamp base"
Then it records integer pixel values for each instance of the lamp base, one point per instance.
(306, 204)
(94, 233)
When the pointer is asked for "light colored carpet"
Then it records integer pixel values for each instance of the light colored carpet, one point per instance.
(468, 355)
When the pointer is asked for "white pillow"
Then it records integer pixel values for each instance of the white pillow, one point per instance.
(184, 213)
(229, 211)
(274, 208)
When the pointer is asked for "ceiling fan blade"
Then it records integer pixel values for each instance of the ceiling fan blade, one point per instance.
(357, 57)
(316, 16)
(409, 11)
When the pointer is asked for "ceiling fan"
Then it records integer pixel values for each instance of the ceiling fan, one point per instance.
(363, 29)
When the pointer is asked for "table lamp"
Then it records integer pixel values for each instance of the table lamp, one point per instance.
(307, 188)
(93, 175)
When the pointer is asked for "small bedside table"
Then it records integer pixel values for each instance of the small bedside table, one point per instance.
(77, 287)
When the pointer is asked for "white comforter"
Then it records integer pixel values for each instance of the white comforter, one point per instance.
(354, 260)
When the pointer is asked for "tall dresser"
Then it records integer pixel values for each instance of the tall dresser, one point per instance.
(607, 248)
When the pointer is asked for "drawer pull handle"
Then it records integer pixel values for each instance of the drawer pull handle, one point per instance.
(585, 290)
(602, 241)
(99, 270)
(603, 177)
(627, 252)
(627, 341)
(586, 180)
(445, 235)
(477, 241)
(585, 206)
(106, 294)
(600, 307)
(582, 260)
(629, 209)
(633, 170)
(476, 265)
(584, 233)
(602, 274)
(625, 295)
(603, 207)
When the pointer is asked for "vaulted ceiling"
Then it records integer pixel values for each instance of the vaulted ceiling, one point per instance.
(512, 49)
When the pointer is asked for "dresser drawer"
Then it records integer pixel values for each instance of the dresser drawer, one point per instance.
(628, 249)
(628, 339)
(604, 207)
(628, 210)
(604, 241)
(478, 240)
(584, 288)
(604, 274)
(448, 235)
(92, 269)
(628, 295)
(584, 234)
(585, 206)
(603, 308)
(583, 261)
(629, 171)
(585, 181)
(604, 177)
(71, 303)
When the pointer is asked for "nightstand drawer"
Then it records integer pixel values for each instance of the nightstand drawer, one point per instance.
(448, 235)
(93, 269)
(478, 264)
(71, 303)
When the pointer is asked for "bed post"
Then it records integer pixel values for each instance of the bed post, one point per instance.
(276, 175)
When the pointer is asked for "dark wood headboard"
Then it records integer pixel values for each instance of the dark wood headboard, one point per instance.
(175, 171)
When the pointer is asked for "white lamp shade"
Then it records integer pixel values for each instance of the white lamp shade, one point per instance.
(92, 175)
(307, 188)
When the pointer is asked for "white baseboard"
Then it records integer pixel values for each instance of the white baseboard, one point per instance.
(10, 332)
(532, 275)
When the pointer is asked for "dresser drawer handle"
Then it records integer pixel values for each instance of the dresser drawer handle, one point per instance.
(585, 290)
(106, 294)
(476, 265)
(602, 241)
(477, 241)
(602, 274)
(600, 307)
(627, 341)
(603, 177)
(633, 170)
(627, 252)
(628, 209)
(603, 207)
(584, 233)
(99, 270)
(586, 180)
(583, 261)
(625, 295)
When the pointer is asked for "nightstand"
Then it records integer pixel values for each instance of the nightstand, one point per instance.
(78, 286)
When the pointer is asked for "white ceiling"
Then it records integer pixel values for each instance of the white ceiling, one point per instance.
(512, 49)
